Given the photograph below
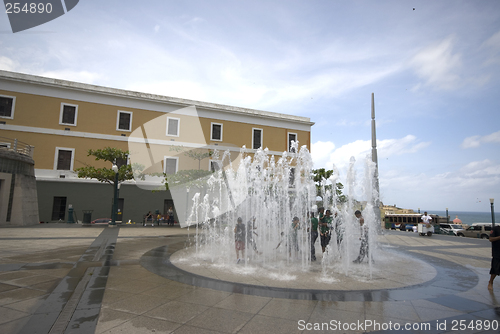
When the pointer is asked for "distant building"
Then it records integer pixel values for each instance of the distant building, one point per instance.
(64, 119)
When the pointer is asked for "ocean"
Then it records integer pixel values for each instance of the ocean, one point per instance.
(468, 217)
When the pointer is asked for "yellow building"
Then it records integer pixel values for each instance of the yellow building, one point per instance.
(64, 119)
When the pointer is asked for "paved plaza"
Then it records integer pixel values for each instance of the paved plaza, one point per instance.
(60, 278)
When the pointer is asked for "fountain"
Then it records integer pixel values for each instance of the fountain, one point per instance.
(268, 195)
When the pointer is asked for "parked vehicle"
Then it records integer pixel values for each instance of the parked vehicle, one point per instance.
(452, 229)
(476, 230)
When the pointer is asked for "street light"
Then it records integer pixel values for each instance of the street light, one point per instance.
(115, 200)
(492, 212)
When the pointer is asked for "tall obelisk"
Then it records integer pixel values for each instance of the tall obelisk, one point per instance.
(376, 204)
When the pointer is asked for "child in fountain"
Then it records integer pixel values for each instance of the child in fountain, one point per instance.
(363, 250)
(324, 229)
(239, 239)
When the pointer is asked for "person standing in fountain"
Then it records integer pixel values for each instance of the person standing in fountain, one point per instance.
(239, 239)
(339, 229)
(324, 228)
(364, 249)
(314, 234)
(294, 244)
(495, 252)
(250, 239)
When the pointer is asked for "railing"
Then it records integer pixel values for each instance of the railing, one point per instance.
(16, 146)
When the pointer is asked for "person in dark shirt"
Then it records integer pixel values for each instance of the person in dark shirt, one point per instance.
(495, 252)
(239, 239)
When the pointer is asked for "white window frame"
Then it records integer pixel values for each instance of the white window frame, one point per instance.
(178, 126)
(56, 157)
(62, 112)
(118, 120)
(212, 131)
(288, 141)
(165, 164)
(261, 138)
(13, 106)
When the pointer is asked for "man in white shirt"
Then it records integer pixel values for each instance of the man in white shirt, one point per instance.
(426, 219)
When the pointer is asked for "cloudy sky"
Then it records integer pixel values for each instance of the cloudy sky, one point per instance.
(433, 66)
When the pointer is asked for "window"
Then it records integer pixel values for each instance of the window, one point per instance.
(121, 162)
(291, 138)
(256, 138)
(64, 158)
(171, 165)
(59, 208)
(216, 133)
(173, 126)
(124, 121)
(7, 104)
(69, 114)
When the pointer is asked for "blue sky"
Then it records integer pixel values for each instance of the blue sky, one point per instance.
(434, 71)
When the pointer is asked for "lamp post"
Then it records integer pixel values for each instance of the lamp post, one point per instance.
(492, 212)
(115, 199)
(447, 217)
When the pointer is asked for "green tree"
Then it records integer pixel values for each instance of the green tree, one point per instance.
(107, 175)
(322, 174)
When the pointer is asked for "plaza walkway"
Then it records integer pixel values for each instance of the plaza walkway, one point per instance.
(59, 278)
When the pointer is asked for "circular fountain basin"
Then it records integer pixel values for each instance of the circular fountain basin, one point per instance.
(390, 271)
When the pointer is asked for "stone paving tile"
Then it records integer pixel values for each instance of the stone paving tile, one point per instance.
(144, 324)
(265, 324)
(109, 318)
(137, 304)
(27, 305)
(204, 296)
(401, 310)
(7, 314)
(187, 329)
(112, 296)
(7, 287)
(13, 326)
(285, 309)
(222, 320)
(244, 303)
(176, 311)
(19, 294)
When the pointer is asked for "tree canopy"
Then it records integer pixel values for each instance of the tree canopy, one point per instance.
(322, 174)
(107, 175)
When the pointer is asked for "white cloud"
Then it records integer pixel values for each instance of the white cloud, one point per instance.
(476, 141)
(7, 64)
(325, 154)
(438, 66)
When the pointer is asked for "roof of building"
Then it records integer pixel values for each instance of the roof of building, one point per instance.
(39, 80)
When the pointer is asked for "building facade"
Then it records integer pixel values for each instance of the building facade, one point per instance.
(64, 119)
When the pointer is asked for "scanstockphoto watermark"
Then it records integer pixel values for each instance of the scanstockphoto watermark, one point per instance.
(25, 15)
(372, 325)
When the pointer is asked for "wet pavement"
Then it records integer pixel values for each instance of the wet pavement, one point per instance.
(59, 278)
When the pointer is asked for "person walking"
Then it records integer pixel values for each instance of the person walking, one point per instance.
(170, 216)
(495, 253)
